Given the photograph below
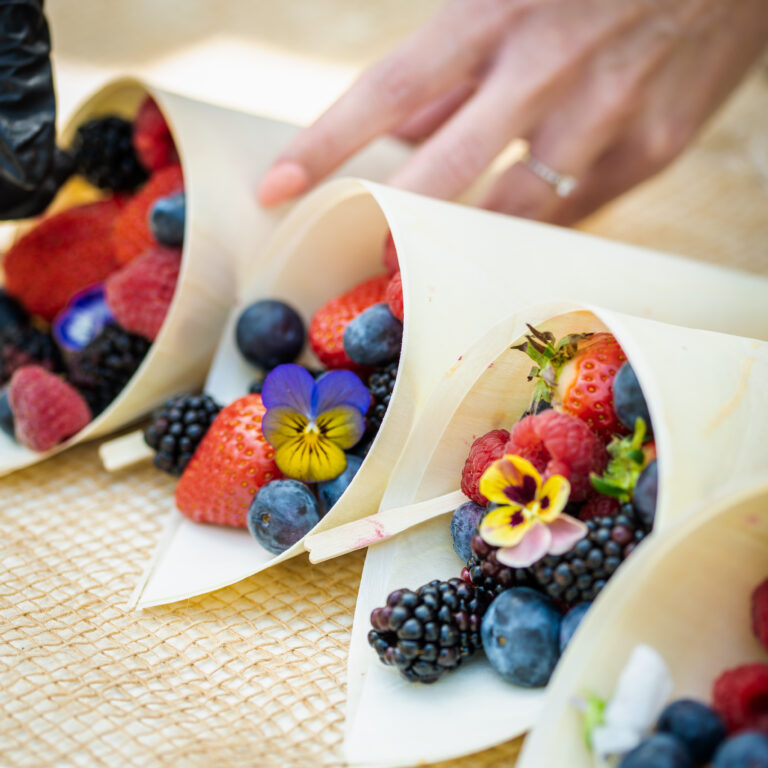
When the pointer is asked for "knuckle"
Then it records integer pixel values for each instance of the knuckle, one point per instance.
(395, 85)
(463, 160)
(664, 142)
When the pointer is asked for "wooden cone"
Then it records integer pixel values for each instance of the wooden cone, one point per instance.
(706, 397)
(688, 596)
(223, 153)
(463, 271)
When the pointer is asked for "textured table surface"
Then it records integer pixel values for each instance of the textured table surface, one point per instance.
(253, 675)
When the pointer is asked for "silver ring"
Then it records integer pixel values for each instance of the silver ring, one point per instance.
(563, 184)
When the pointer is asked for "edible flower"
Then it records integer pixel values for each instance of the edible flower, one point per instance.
(311, 423)
(529, 522)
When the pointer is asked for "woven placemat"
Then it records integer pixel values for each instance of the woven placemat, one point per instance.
(253, 675)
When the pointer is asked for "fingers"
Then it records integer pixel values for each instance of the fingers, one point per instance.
(426, 120)
(438, 56)
(583, 127)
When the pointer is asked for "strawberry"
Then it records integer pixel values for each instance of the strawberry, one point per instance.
(484, 451)
(599, 506)
(46, 409)
(395, 296)
(140, 294)
(577, 375)
(62, 255)
(229, 466)
(152, 138)
(326, 330)
(389, 255)
(131, 235)
(760, 613)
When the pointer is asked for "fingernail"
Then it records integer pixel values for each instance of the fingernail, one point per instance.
(282, 182)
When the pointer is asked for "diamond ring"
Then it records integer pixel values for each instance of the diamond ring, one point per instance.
(563, 184)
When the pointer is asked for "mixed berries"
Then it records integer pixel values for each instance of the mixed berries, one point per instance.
(87, 289)
(556, 502)
(729, 732)
(278, 459)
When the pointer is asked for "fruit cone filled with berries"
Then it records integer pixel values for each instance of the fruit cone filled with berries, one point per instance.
(699, 599)
(115, 298)
(578, 436)
(370, 288)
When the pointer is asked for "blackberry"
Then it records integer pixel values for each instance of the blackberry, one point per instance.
(487, 573)
(25, 345)
(106, 364)
(104, 154)
(177, 428)
(380, 384)
(429, 632)
(11, 312)
(580, 574)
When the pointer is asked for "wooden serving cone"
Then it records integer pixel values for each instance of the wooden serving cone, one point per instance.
(223, 154)
(687, 596)
(706, 398)
(464, 270)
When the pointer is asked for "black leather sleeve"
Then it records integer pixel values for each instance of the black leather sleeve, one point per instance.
(31, 168)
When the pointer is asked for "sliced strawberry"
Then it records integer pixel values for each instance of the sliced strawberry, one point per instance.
(395, 296)
(389, 255)
(152, 137)
(61, 256)
(229, 466)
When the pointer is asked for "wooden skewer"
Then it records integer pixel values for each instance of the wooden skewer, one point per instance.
(369, 530)
(125, 451)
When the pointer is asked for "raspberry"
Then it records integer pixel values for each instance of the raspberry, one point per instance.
(389, 256)
(131, 235)
(558, 443)
(760, 613)
(152, 137)
(395, 296)
(484, 451)
(46, 409)
(740, 695)
(140, 294)
(599, 506)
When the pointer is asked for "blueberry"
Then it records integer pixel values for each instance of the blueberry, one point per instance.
(269, 333)
(571, 622)
(628, 399)
(6, 415)
(463, 523)
(521, 636)
(662, 750)
(329, 492)
(747, 750)
(282, 512)
(646, 490)
(374, 336)
(11, 312)
(698, 726)
(166, 219)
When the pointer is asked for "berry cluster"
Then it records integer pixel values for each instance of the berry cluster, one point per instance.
(88, 288)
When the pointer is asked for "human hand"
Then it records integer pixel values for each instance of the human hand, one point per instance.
(606, 91)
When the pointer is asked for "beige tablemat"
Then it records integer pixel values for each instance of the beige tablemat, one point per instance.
(253, 675)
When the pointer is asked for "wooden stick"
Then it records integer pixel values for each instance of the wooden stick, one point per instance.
(368, 530)
(125, 451)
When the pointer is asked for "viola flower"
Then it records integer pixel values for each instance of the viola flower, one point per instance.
(311, 423)
(529, 522)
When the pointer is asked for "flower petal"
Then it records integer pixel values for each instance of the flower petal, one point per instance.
(501, 480)
(289, 385)
(553, 498)
(340, 388)
(566, 532)
(311, 458)
(505, 525)
(343, 425)
(281, 424)
(531, 548)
